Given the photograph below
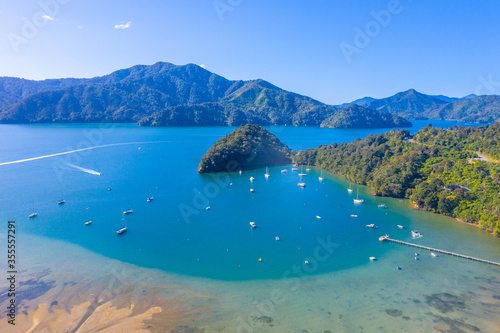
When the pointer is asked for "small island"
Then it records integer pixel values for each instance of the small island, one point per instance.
(356, 116)
(248, 147)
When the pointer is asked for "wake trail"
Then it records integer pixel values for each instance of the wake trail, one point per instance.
(78, 150)
(92, 172)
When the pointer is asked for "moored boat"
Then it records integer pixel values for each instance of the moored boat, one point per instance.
(121, 231)
(372, 226)
(88, 222)
(301, 184)
(253, 225)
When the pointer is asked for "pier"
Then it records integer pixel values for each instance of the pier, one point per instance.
(386, 238)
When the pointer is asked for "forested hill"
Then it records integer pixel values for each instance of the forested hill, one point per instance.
(424, 168)
(248, 147)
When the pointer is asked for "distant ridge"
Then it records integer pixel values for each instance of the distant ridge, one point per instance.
(411, 104)
(162, 94)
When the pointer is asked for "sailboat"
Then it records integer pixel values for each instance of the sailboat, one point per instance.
(128, 211)
(302, 174)
(358, 200)
(208, 206)
(349, 189)
(123, 229)
(267, 173)
(300, 183)
(62, 201)
(321, 176)
(32, 215)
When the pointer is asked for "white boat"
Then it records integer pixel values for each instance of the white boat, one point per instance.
(253, 225)
(267, 173)
(33, 215)
(301, 184)
(321, 176)
(372, 226)
(230, 184)
(352, 215)
(252, 190)
(121, 231)
(284, 171)
(373, 258)
(318, 217)
(433, 254)
(415, 234)
(349, 189)
(61, 202)
(383, 238)
(302, 174)
(208, 206)
(295, 169)
(88, 222)
(251, 179)
(110, 189)
(128, 211)
(277, 238)
(358, 200)
(241, 172)
(150, 199)
(382, 206)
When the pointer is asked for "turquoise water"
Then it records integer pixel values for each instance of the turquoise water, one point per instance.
(175, 232)
(202, 267)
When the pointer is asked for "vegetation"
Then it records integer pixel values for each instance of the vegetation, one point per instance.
(248, 147)
(355, 116)
(433, 169)
(411, 104)
(165, 95)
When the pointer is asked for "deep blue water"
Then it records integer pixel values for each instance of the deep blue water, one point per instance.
(175, 232)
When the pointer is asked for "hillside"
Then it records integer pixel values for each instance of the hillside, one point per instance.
(162, 94)
(411, 104)
(424, 170)
(355, 116)
(248, 147)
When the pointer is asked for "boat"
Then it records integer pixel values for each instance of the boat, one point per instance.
(318, 217)
(284, 171)
(88, 222)
(251, 179)
(241, 172)
(349, 189)
(306, 262)
(253, 225)
(415, 234)
(121, 231)
(267, 173)
(433, 254)
(398, 268)
(295, 169)
(296, 165)
(252, 190)
(354, 215)
(208, 206)
(230, 184)
(373, 226)
(382, 206)
(321, 176)
(109, 188)
(358, 200)
(128, 211)
(150, 199)
(383, 238)
(301, 184)
(277, 238)
(61, 202)
(400, 226)
(33, 215)
(307, 169)
(373, 258)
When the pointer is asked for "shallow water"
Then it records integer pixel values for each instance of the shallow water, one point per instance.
(215, 252)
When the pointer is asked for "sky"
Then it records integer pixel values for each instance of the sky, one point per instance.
(333, 51)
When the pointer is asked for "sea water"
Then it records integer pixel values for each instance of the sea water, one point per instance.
(216, 251)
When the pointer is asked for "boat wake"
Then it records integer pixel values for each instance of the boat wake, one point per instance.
(92, 172)
(78, 150)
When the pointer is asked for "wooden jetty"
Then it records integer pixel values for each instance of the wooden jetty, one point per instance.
(386, 238)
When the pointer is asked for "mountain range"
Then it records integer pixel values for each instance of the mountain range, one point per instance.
(414, 105)
(165, 94)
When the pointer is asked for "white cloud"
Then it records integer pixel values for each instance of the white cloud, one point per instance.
(202, 66)
(47, 17)
(123, 26)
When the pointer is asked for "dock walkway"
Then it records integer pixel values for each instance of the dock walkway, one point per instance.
(383, 238)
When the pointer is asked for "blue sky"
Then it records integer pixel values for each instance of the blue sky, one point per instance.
(334, 51)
